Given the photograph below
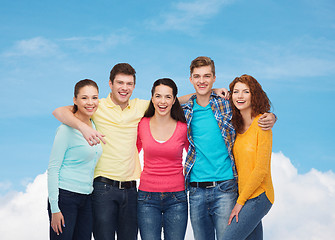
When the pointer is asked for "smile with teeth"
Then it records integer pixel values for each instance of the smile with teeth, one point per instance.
(123, 94)
(162, 107)
(202, 86)
(89, 108)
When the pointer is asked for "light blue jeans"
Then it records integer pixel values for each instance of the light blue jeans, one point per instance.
(249, 224)
(210, 209)
(157, 210)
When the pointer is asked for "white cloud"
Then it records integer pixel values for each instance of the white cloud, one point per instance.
(304, 206)
(38, 46)
(185, 16)
(24, 214)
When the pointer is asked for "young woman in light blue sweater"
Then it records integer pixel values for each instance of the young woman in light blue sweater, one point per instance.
(71, 170)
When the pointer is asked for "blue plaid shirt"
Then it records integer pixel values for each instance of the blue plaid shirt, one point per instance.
(223, 115)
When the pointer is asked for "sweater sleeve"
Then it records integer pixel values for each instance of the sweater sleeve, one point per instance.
(262, 165)
(59, 148)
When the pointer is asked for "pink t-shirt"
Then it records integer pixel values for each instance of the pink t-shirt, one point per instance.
(163, 169)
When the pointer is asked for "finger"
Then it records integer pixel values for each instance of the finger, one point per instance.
(236, 218)
(59, 227)
(55, 229)
(230, 218)
(96, 140)
(263, 125)
(266, 128)
(262, 116)
(102, 139)
(63, 222)
(89, 141)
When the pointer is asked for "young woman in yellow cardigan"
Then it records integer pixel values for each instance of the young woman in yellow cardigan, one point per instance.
(252, 153)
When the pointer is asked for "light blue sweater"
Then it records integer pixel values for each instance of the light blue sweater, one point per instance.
(71, 165)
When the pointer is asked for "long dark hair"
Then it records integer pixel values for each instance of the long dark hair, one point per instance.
(78, 86)
(260, 102)
(177, 112)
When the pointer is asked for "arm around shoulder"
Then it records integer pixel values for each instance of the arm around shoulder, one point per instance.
(66, 116)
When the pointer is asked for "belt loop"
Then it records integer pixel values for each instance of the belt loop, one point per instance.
(120, 185)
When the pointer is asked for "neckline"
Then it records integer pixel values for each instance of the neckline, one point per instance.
(152, 137)
(253, 122)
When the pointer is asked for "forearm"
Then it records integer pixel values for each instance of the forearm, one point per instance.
(66, 116)
(184, 99)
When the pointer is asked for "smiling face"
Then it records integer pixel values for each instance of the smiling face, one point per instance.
(122, 88)
(202, 79)
(87, 101)
(241, 97)
(163, 100)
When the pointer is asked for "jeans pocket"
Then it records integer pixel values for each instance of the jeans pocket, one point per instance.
(228, 186)
(100, 189)
(192, 190)
(142, 196)
(180, 196)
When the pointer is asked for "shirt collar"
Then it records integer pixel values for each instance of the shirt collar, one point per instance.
(111, 104)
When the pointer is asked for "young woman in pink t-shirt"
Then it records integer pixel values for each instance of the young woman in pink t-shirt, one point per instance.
(162, 134)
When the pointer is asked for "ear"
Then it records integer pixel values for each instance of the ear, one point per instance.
(110, 84)
(75, 100)
(214, 78)
(191, 80)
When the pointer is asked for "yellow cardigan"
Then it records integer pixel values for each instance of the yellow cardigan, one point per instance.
(252, 152)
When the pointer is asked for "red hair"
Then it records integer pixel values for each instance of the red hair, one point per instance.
(260, 102)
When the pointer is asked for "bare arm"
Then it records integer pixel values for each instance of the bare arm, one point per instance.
(185, 98)
(65, 115)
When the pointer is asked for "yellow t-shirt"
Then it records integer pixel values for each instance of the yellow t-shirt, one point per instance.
(252, 152)
(119, 159)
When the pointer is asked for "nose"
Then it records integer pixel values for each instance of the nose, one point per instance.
(201, 79)
(163, 99)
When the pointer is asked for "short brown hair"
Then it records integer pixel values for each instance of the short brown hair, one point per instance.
(202, 62)
(123, 68)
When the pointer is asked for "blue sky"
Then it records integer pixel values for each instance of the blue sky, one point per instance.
(47, 46)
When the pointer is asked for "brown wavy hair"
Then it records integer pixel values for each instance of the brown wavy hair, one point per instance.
(260, 102)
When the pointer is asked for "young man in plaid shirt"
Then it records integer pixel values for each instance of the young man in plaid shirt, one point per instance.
(210, 172)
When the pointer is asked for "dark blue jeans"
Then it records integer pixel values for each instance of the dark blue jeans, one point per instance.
(249, 224)
(167, 210)
(77, 212)
(114, 211)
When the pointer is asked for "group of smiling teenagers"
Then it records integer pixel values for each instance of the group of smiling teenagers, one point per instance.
(224, 182)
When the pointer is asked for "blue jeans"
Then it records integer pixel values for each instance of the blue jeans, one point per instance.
(114, 211)
(77, 212)
(157, 210)
(249, 224)
(210, 209)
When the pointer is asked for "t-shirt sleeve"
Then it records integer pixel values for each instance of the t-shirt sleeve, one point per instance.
(262, 165)
(58, 151)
